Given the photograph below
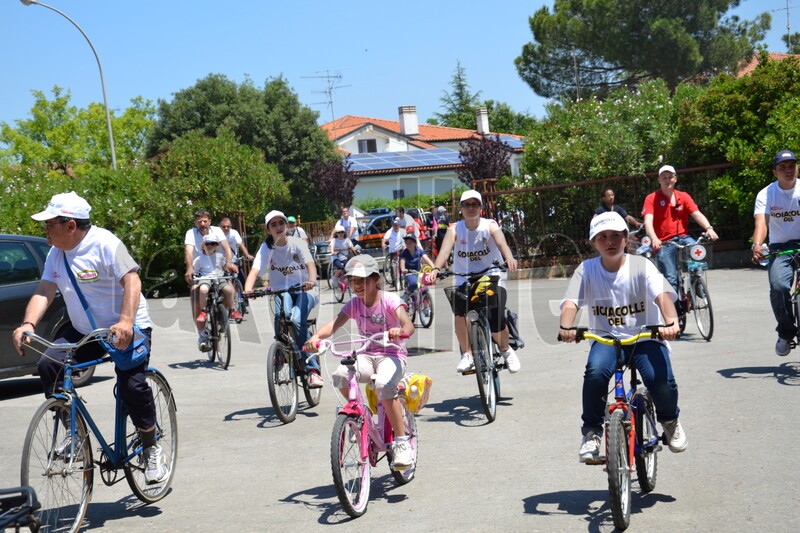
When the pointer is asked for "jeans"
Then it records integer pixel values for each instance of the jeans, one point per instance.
(411, 283)
(137, 396)
(653, 365)
(667, 259)
(780, 271)
(296, 308)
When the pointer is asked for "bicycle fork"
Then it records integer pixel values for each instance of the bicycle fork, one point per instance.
(629, 421)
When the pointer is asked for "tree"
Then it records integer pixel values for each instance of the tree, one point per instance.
(587, 47)
(483, 158)
(505, 120)
(63, 138)
(460, 104)
(792, 42)
(270, 119)
(336, 181)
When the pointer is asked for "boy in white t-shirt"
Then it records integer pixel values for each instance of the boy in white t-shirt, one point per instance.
(622, 293)
(210, 264)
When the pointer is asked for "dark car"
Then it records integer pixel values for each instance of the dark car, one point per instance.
(21, 263)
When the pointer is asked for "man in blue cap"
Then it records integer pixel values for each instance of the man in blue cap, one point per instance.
(777, 213)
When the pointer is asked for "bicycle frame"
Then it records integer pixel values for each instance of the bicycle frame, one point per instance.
(375, 434)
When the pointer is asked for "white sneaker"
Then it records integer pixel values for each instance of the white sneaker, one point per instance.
(465, 363)
(590, 448)
(512, 361)
(401, 455)
(676, 437)
(783, 347)
(156, 469)
(202, 341)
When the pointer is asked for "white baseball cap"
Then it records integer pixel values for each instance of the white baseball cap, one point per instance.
(361, 266)
(669, 168)
(607, 221)
(211, 237)
(66, 204)
(470, 194)
(272, 214)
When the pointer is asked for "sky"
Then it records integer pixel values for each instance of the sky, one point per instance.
(377, 57)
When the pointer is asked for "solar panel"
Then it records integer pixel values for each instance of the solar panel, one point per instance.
(399, 160)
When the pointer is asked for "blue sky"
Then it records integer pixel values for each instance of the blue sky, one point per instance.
(387, 54)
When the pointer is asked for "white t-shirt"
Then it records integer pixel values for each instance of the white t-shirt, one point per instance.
(98, 263)
(475, 250)
(394, 238)
(194, 238)
(286, 266)
(783, 208)
(619, 302)
(340, 247)
(298, 232)
(234, 240)
(207, 265)
(347, 223)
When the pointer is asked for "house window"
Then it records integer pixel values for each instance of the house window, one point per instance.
(367, 146)
(400, 193)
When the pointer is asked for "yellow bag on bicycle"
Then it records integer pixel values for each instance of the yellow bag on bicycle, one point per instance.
(418, 389)
(372, 397)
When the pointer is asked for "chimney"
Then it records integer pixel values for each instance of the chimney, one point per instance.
(408, 120)
(483, 120)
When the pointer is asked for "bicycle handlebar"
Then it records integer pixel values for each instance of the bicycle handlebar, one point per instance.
(495, 265)
(213, 277)
(99, 334)
(381, 339)
(586, 333)
(794, 251)
(258, 293)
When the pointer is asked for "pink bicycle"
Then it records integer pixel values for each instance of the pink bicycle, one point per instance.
(359, 437)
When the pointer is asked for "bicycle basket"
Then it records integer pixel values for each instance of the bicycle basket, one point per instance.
(694, 266)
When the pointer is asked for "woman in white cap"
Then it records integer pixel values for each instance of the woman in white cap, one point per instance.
(341, 248)
(288, 263)
(476, 243)
(622, 293)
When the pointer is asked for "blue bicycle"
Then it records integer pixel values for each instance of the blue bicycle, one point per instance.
(57, 458)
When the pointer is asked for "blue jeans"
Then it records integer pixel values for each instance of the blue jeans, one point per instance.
(411, 283)
(652, 363)
(780, 271)
(667, 259)
(296, 308)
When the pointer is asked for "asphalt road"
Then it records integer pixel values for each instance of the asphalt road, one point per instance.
(240, 469)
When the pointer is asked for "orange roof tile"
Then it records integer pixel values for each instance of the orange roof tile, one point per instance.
(751, 66)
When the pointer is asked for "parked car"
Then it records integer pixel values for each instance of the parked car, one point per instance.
(372, 228)
(21, 263)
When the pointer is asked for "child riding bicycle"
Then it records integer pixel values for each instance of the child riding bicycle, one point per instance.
(622, 292)
(210, 264)
(411, 260)
(374, 311)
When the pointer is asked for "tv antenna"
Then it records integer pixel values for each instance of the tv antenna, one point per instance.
(331, 81)
(788, 25)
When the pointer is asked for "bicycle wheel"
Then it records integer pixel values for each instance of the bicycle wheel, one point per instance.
(619, 472)
(412, 307)
(63, 481)
(221, 345)
(484, 366)
(239, 303)
(703, 312)
(405, 476)
(212, 326)
(350, 465)
(329, 277)
(683, 301)
(388, 270)
(338, 287)
(281, 382)
(647, 441)
(313, 396)
(426, 310)
(167, 435)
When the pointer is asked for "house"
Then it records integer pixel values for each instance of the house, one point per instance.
(401, 158)
(746, 68)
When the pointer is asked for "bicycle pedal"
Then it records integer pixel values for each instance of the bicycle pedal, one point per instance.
(598, 461)
(468, 372)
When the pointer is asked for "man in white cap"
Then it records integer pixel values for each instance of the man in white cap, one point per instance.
(92, 262)
(476, 243)
(666, 218)
(776, 213)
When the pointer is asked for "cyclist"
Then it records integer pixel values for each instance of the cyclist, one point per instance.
(412, 258)
(288, 262)
(477, 242)
(294, 230)
(607, 204)
(111, 289)
(341, 248)
(776, 214)
(622, 293)
(238, 249)
(210, 263)
(349, 223)
(375, 311)
(408, 223)
(192, 244)
(393, 238)
(442, 223)
(666, 217)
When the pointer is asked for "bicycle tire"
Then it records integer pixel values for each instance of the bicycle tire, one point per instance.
(388, 270)
(329, 277)
(426, 310)
(211, 333)
(703, 312)
(240, 303)
(338, 289)
(619, 472)
(281, 382)
(405, 476)
(222, 341)
(63, 486)
(484, 366)
(350, 465)
(683, 300)
(412, 307)
(647, 441)
(313, 396)
(167, 434)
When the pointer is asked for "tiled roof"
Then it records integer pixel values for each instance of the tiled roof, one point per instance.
(750, 67)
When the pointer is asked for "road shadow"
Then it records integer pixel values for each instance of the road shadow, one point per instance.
(105, 515)
(265, 417)
(466, 412)
(591, 504)
(22, 387)
(198, 364)
(324, 497)
(787, 373)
